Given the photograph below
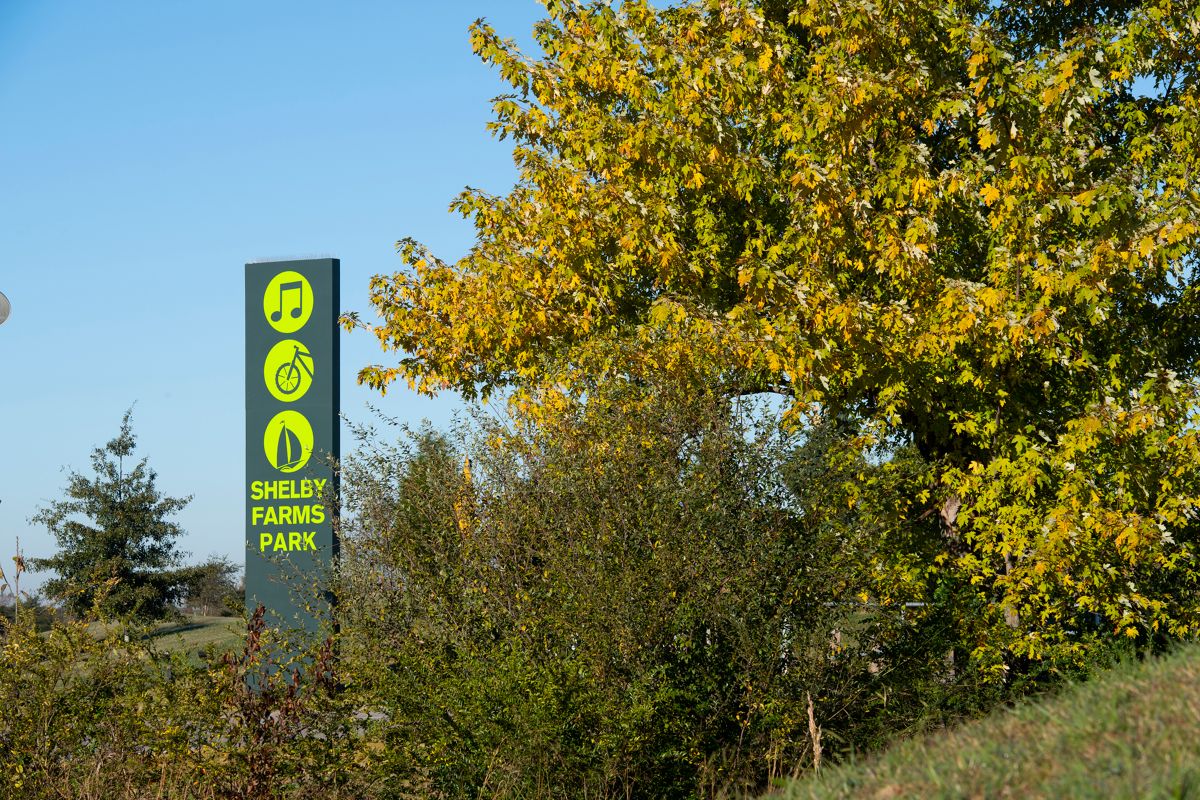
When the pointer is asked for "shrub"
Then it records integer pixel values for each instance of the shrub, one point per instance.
(634, 598)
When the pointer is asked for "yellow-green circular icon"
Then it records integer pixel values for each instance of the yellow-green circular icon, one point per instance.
(288, 370)
(288, 302)
(288, 441)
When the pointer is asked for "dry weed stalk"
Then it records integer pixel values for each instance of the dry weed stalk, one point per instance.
(814, 731)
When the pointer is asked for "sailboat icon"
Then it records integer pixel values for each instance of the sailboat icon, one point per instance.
(289, 455)
(288, 441)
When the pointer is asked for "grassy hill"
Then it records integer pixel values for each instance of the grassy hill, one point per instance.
(195, 633)
(1132, 733)
(191, 634)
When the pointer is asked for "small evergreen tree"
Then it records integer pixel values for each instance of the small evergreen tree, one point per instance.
(122, 561)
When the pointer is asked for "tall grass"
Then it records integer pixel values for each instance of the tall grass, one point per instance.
(1134, 732)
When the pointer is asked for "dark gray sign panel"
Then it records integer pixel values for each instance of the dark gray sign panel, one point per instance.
(292, 428)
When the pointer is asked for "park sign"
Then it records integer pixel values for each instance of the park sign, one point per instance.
(292, 427)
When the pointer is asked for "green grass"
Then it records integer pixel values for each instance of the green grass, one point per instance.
(1134, 732)
(191, 634)
(195, 633)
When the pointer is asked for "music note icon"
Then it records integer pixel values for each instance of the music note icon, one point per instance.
(288, 301)
(298, 309)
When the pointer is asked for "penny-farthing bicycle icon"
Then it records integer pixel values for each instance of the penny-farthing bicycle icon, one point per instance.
(289, 377)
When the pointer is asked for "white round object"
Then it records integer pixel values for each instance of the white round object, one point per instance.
(5, 307)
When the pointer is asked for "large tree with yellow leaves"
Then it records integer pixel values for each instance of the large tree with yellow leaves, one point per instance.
(969, 228)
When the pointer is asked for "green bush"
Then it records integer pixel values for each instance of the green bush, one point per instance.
(636, 599)
(101, 713)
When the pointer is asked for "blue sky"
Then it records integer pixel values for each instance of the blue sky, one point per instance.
(148, 150)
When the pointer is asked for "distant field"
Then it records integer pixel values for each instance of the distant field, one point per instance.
(196, 633)
(190, 635)
(1134, 732)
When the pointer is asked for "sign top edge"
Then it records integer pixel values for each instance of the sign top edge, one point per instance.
(319, 260)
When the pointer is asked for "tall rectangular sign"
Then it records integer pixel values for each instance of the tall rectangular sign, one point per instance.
(292, 429)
